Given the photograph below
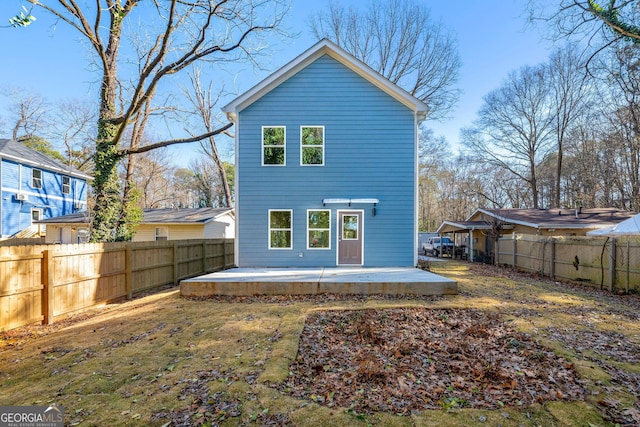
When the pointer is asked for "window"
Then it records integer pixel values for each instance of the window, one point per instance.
(36, 178)
(36, 215)
(273, 145)
(66, 185)
(280, 229)
(318, 229)
(162, 233)
(350, 227)
(312, 145)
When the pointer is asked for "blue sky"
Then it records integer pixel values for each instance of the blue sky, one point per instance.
(492, 41)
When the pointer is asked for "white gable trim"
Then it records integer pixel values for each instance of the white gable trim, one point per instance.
(324, 47)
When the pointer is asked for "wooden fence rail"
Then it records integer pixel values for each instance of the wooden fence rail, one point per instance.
(41, 282)
(607, 263)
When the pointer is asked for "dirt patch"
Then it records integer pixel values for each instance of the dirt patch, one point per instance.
(410, 359)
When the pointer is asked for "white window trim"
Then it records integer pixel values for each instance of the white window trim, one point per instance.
(269, 229)
(324, 143)
(33, 178)
(68, 185)
(262, 146)
(40, 218)
(155, 232)
(309, 247)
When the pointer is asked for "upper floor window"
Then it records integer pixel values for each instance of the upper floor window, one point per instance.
(66, 185)
(312, 145)
(280, 229)
(273, 145)
(36, 178)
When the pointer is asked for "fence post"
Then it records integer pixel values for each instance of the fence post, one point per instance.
(628, 266)
(224, 254)
(612, 264)
(515, 249)
(175, 262)
(204, 256)
(128, 275)
(552, 261)
(48, 291)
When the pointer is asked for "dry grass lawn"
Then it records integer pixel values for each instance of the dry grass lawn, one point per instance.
(165, 360)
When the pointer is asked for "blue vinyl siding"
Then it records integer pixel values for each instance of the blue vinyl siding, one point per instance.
(369, 153)
(16, 178)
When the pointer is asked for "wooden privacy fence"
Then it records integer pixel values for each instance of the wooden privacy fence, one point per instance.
(40, 282)
(607, 263)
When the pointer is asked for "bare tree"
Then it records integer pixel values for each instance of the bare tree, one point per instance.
(152, 179)
(433, 155)
(179, 33)
(73, 124)
(600, 24)
(28, 113)
(514, 128)
(622, 135)
(400, 40)
(570, 90)
(204, 101)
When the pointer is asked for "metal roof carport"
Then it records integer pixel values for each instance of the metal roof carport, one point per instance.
(463, 227)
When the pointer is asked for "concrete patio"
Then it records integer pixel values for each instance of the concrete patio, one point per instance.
(309, 281)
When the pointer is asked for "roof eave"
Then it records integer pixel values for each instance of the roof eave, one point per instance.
(509, 220)
(47, 167)
(324, 47)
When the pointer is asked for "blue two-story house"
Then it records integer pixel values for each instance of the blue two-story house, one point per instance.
(36, 187)
(326, 166)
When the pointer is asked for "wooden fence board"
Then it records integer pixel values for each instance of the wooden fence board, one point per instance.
(597, 261)
(40, 282)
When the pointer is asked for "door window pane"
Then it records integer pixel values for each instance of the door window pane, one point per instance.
(350, 227)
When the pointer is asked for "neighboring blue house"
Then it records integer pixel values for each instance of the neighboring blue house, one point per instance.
(36, 187)
(326, 166)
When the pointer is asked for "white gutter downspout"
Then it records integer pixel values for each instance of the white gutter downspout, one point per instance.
(416, 179)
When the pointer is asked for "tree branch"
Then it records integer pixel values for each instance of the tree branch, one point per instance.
(144, 149)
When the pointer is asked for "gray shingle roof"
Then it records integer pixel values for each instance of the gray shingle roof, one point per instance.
(152, 216)
(14, 150)
(560, 218)
(195, 215)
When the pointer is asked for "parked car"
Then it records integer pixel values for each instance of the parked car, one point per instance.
(435, 246)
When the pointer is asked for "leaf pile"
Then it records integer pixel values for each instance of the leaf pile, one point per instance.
(410, 359)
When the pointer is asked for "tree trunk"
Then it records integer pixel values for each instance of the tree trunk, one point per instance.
(223, 174)
(108, 207)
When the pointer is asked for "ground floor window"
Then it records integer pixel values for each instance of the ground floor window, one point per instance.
(319, 229)
(280, 229)
(162, 233)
